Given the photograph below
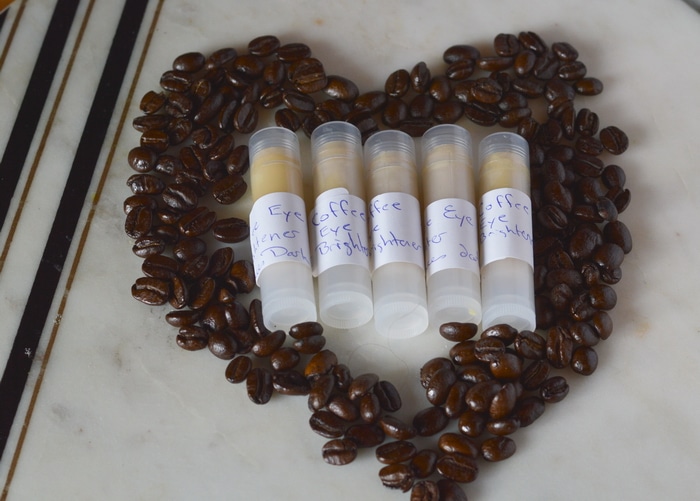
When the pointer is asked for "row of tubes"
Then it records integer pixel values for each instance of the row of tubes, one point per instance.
(377, 252)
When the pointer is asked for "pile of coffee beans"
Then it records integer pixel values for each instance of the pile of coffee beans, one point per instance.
(189, 162)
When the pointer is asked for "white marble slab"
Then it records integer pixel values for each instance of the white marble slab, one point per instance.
(113, 409)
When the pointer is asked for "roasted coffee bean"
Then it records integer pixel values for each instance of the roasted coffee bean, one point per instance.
(321, 390)
(506, 44)
(175, 81)
(362, 384)
(503, 426)
(338, 87)
(614, 140)
(530, 345)
(266, 346)
(494, 63)
(190, 62)
(565, 51)
(309, 345)
(180, 105)
(242, 276)
(506, 366)
(431, 367)
(245, 119)
(230, 230)
(180, 197)
(336, 108)
(554, 389)
(448, 112)
(327, 424)
(588, 86)
(238, 369)
(473, 373)
(463, 353)
(458, 331)
(159, 266)
(421, 106)
(196, 222)
(339, 451)
(286, 118)
(455, 403)
(192, 338)
(455, 443)
(424, 462)
(450, 490)
(559, 348)
(180, 295)
(503, 401)
(528, 410)
(152, 101)
(220, 262)
(365, 434)
(608, 256)
(487, 349)
(293, 52)
(486, 90)
(425, 490)
(151, 291)
(222, 345)
(274, 73)
(370, 409)
(343, 407)
(457, 467)
(430, 421)
(617, 233)
(460, 70)
(147, 245)
(264, 45)
(398, 83)
(497, 448)
(396, 452)
(397, 476)
(460, 53)
(388, 396)
(479, 396)
(524, 62)
(396, 428)
(420, 77)
(259, 385)
(306, 329)
(145, 184)
(546, 66)
(503, 332)
(307, 75)
(321, 363)
(142, 159)
(602, 297)
(290, 383)
(584, 360)
(195, 268)
(181, 318)
(284, 358)
(439, 385)
(189, 248)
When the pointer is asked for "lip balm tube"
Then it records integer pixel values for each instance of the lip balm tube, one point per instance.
(279, 236)
(505, 222)
(451, 226)
(340, 244)
(398, 260)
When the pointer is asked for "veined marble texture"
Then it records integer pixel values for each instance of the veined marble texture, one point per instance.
(113, 409)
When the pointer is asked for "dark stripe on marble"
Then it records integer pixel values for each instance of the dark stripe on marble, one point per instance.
(3, 16)
(29, 114)
(64, 226)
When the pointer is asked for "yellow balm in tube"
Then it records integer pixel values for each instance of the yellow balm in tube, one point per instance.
(398, 261)
(451, 226)
(505, 232)
(279, 235)
(338, 226)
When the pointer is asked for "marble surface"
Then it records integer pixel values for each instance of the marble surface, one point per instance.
(113, 409)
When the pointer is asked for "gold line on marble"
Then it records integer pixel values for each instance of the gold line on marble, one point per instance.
(11, 36)
(79, 252)
(45, 136)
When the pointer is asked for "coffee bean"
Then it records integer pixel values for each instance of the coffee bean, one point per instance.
(584, 360)
(307, 75)
(463, 353)
(396, 452)
(398, 83)
(343, 407)
(455, 403)
(267, 345)
(420, 77)
(534, 374)
(431, 367)
(430, 421)
(284, 358)
(397, 476)
(290, 383)
(365, 434)
(554, 389)
(396, 428)
(503, 401)
(424, 462)
(151, 291)
(528, 410)
(588, 86)
(450, 490)
(614, 140)
(309, 345)
(242, 276)
(230, 230)
(497, 448)
(259, 385)
(439, 385)
(451, 443)
(339, 451)
(425, 490)
(457, 467)
(293, 52)
(388, 396)
(222, 345)
(488, 349)
(362, 384)
(458, 331)
(530, 345)
(238, 369)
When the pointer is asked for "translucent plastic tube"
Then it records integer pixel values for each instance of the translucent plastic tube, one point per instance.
(340, 243)
(278, 229)
(451, 226)
(505, 232)
(398, 261)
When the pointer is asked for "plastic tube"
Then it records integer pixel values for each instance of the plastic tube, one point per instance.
(451, 226)
(505, 222)
(278, 229)
(398, 262)
(340, 243)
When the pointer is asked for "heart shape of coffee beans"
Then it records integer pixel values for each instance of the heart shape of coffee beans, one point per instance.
(189, 161)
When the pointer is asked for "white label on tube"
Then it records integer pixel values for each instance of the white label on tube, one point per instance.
(451, 236)
(338, 233)
(395, 230)
(505, 226)
(278, 231)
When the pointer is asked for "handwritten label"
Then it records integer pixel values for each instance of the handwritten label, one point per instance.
(395, 230)
(278, 231)
(505, 226)
(338, 233)
(451, 236)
